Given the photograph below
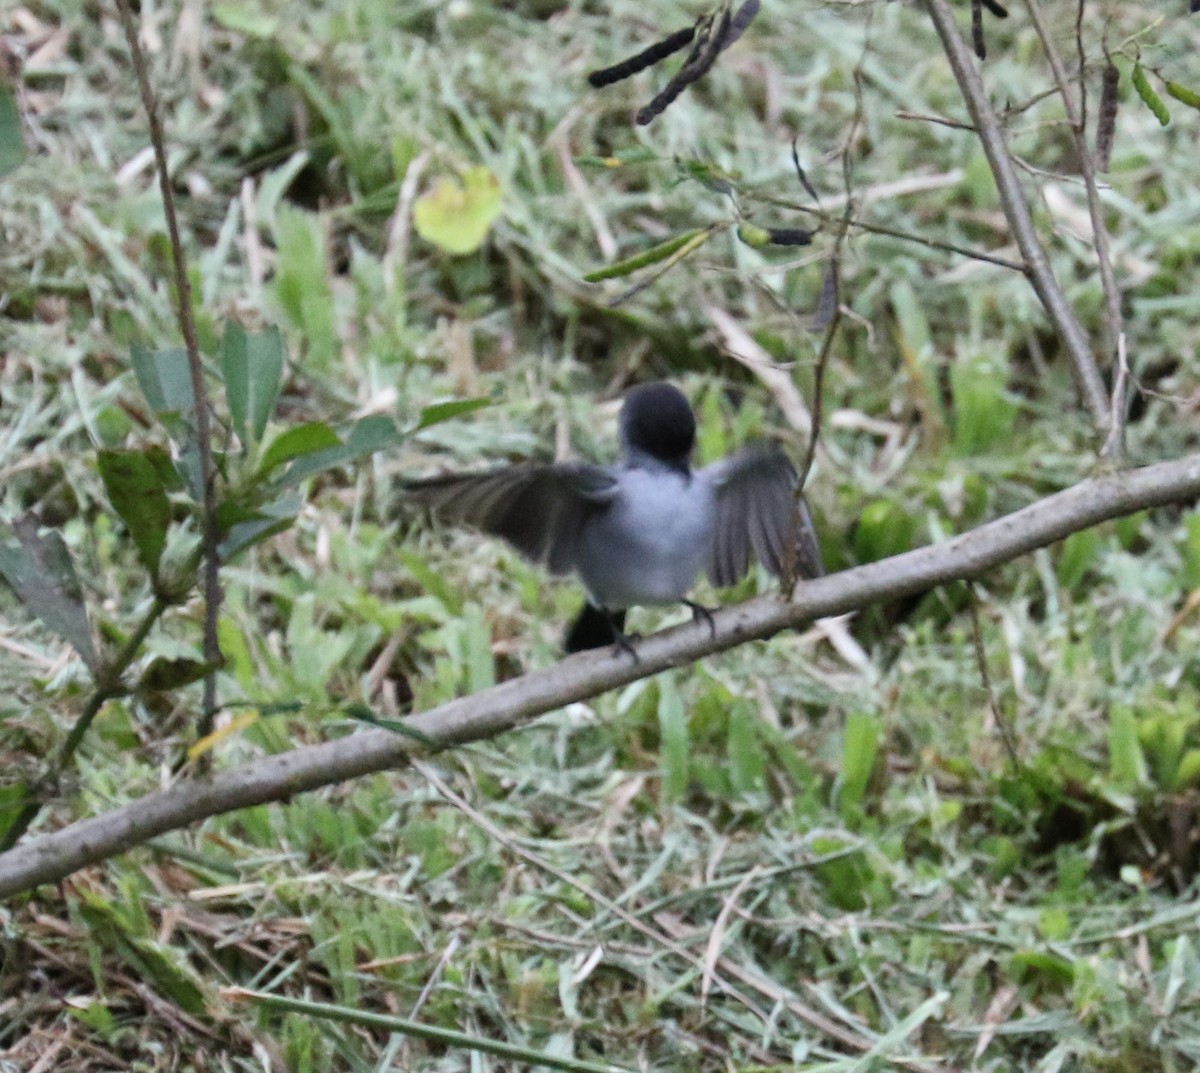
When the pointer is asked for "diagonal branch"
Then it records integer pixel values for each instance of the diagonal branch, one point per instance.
(1077, 122)
(1016, 210)
(51, 857)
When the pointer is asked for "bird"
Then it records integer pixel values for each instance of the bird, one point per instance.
(638, 533)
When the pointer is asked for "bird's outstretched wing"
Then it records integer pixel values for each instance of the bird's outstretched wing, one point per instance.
(538, 509)
(757, 511)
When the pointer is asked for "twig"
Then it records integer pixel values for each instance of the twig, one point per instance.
(1016, 210)
(833, 282)
(1076, 121)
(1001, 722)
(945, 121)
(51, 857)
(187, 324)
(835, 321)
(904, 236)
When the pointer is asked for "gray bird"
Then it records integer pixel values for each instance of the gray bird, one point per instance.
(638, 533)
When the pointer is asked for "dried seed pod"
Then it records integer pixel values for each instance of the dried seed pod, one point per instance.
(1106, 122)
(648, 57)
(977, 29)
(827, 305)
(789, 236)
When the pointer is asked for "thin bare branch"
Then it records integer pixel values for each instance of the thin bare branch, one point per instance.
(1076, 121)
(1016, 210)
(51, 857)
(904, 236)
(998, 717)
(187, 325)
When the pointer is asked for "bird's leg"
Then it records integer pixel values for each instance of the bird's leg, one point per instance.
(699, 611)
(623, 641)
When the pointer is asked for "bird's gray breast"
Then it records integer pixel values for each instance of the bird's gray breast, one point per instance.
(651, 542)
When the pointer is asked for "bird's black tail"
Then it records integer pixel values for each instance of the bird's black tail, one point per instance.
(594, 628)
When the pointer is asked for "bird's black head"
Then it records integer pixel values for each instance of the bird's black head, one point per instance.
(656, 420)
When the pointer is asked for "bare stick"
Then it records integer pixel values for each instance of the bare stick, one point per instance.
(51, 857)
(1016, 210)
(904, 236)
(998, 717)
(187, 324)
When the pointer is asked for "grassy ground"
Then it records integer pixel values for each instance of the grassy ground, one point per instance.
(778, 859)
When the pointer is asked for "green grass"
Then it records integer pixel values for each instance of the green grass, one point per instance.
(852, 828)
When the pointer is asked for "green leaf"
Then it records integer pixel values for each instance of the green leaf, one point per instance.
(302, 440)
(1079, 553)
(1191, 551)
(96, 1015)
(860, 749)
(302, 281)
(1127, 762)
(160, 459)
(477, 650)
(1187, 775)
(369, 435)
(432, 581)
(253, 364)
(673, 735)
(164, 674)
(457, 215)
(241, 18)
(274, 184)
(148, 961)
(13, 799)
(1039, 966)
(445, 411)
(1162, 737)
(653, 255)
(43, 577)
(165, 379)
(747, 759)
(914, 338)
(244, 527)
(136, 491)
(12, 138)
(884, 529)
(984, 412)
(396, 726)
(1055, 923)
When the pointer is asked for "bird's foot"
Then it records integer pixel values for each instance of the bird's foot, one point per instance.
(699, 611)
(624, 644)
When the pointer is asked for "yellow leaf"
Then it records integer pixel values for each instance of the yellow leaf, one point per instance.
(239, 722)
(456, 214)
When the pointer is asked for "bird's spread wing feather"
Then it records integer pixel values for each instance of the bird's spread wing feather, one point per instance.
(757, 512)
(539, 509)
